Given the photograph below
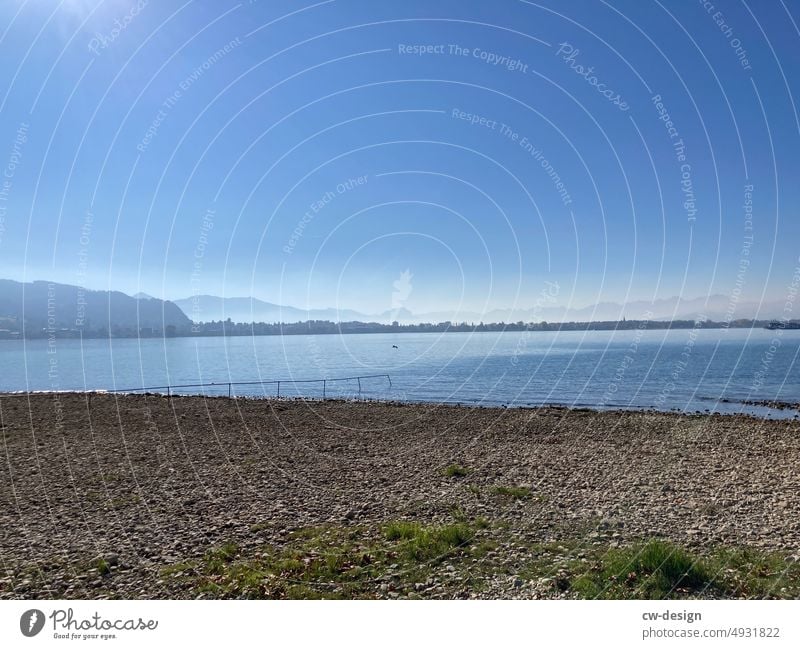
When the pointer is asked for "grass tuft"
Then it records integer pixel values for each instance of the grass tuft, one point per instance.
(427, 543)
(216, 559)
(655, 570)
(101, 565)
(514, 493)
(456, 471)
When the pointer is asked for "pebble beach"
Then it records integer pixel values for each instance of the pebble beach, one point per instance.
(144, 496)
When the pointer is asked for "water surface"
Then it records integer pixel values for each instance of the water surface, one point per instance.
(715, 370)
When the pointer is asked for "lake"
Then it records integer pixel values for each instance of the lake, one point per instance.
(718, 370)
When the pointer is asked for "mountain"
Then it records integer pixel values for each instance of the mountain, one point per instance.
(205, 308)
(714, 307)
(45, 306)
(42, 305)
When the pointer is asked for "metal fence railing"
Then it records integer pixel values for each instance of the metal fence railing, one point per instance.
(171, 389)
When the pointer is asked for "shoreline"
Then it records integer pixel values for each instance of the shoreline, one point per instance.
(777, 410)
(144, 496)
(330, 328)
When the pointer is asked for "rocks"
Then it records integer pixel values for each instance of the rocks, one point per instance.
(256, 475)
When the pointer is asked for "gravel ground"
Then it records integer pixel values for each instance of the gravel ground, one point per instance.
(145, 482)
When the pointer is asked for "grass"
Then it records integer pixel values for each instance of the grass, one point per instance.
(753, 574)
(456, 471)
(177, 569)
(331, 562)
(467, 554)
(513, 493)
(658, 569)
(125, 501)
(427, 543)
(218, 558)
(101, 565)
(260, 527)
(655, 570)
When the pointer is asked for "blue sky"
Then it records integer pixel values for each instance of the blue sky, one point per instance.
(310, 154)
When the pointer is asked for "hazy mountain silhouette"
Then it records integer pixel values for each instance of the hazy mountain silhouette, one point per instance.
(63, 306)
(715, 307)
(205, 308)
(72, 305)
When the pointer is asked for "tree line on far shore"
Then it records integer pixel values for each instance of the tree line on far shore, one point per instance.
(321, 327)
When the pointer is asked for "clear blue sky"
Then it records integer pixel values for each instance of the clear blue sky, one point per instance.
(124, 122)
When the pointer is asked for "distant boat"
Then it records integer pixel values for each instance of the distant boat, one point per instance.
(395, 347)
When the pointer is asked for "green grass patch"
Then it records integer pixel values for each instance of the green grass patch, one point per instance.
(125, 501)
(260, 527)
(177, 569)
(482, 522)
(513, 493)
(658, 569)
(456, 471)
(101, 565)
(427, 543)
(402, 557)
(332, 562)
(752, 574)
(655, 570)
(216, 560)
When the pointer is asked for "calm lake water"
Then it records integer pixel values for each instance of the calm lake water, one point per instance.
(691, 370)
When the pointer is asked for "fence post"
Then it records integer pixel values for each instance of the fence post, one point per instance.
(390, 380)
(279, 388)
(324, 385)
(229, 390)
(359, 384)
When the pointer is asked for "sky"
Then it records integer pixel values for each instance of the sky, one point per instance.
(382, 155)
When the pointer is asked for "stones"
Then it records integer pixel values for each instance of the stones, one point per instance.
(242, 466)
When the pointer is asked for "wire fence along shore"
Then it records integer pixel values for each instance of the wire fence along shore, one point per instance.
(230, 385)
(186, 389)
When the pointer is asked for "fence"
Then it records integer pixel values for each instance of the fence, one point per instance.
(170, 389)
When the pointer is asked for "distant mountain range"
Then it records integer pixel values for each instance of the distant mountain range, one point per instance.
(48, 305)
(715, 307)
(204, 308)
(40, 305)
